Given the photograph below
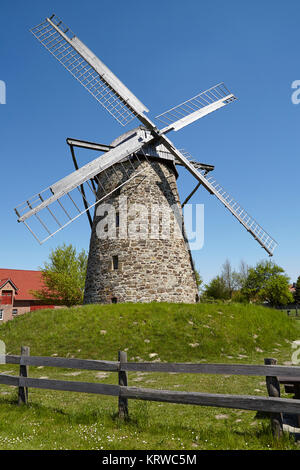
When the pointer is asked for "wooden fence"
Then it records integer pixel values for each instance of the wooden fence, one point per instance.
(273, 404)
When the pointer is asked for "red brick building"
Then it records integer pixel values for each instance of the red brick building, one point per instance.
(15, 296)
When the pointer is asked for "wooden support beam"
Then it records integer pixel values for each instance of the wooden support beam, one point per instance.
(191, 194)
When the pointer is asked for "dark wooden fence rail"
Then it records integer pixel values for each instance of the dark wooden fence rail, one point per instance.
(272, 404)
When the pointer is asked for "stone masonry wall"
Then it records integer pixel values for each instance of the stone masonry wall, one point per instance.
(136, 225)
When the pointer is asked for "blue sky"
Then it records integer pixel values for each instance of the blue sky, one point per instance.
(165, 52)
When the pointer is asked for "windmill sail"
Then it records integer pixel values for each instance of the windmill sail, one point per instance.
(90, 71)
(195, 108)
(263, 238)
(259, 234)
(57, 206)
(123, 105)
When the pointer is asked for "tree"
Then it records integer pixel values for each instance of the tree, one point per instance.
(63, 277)
(232, 279)
(276, 291)
(297, 292)
(242, 275)
(228, 284)
(267, 283)
(228, 277)
(217, 289)
(199, 281)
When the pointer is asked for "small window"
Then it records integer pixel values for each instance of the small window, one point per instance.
(115, 262)
(15, 311)
(117, 219)
(1, 314)
(114, 300)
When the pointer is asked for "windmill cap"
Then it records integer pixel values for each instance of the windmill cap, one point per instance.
(127, 135)
(150, 150)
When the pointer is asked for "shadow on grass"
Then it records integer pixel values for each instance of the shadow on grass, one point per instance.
(9, 400)
(85, 416)
(262, 415)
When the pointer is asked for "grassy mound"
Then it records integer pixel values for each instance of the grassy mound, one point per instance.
(167, 332)
(175, 332)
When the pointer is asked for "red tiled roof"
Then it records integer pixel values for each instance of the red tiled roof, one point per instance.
(3, 281)
(24, 281)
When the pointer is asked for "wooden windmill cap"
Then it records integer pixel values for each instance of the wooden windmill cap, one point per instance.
(157, 151)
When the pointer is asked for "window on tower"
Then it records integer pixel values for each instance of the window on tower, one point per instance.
(115, 262)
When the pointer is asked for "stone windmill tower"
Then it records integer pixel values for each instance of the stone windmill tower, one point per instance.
(138, 249)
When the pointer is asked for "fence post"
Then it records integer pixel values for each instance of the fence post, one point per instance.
(273, 387)
(23, 391)
(297, 396)
(123, 381)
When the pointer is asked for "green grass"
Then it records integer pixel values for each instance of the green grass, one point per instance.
(174, 332)
(293, 312)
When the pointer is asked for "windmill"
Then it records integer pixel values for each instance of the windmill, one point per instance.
(137, 168)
